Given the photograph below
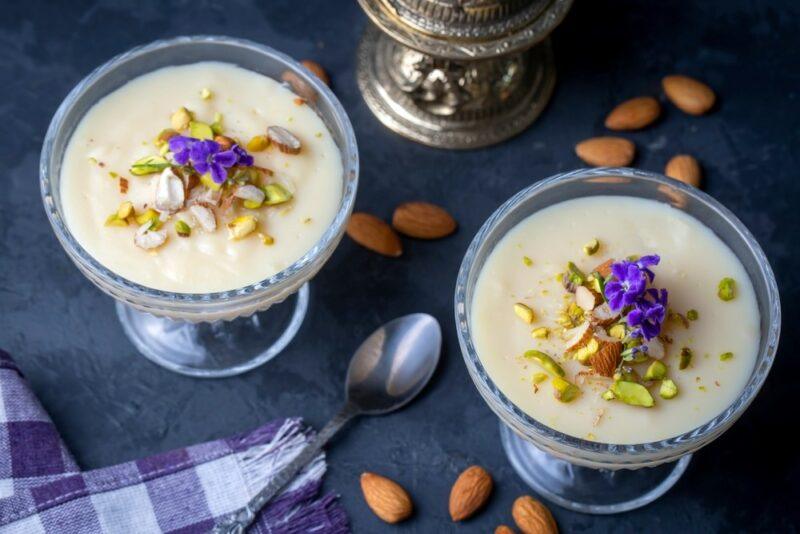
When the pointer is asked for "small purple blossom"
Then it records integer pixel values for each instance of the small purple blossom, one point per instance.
(207, 156)
(648, 313)
(628, 288)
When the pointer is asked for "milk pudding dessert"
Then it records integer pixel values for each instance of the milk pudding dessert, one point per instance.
(616, 319)
(200, 178)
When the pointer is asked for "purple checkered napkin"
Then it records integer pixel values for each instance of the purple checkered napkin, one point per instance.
(181, 491)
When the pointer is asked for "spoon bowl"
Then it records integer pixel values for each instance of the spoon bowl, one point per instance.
(393, 364)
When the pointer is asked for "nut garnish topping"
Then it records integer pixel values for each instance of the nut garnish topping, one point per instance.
(241, 227)
(727, 289)
(524, 312)
(586, 298)
(148, 238)
(605, 361)
(285, 140)
(180, 119)
(169, 192)
(204, 216)
(591, 247)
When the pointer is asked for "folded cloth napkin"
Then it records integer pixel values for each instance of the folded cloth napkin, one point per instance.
(42, 490)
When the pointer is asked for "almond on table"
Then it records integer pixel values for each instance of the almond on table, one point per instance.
(423, 220)
(606, 151)
(684, 168)
(689, 94)
(634, 114)
(373, 233)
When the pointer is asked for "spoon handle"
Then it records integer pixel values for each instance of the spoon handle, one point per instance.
(238, 521)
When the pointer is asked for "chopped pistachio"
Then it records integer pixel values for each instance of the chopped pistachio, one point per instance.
(149, 165)
(725, 356)
(540, 333)
(727, 289)
(114, 220)
(205, 93)
(548, 363)
(668, 389)
(591, 247)
(692, 315)
(538, 378)
(564, 390)
(266, 238)
(618, 331)
(209, 182)
(258, 143)
(252, 204)
(216, 126)
(608, 395)
(632, 393)
(125, 210)
(241, 226)
(584, 353)
(276, 194)
(151, 216)
(182, 228)
(523, 312)
(597, 283)
(656, 371)
(527, 261)
(576, 276)
(200, 130)
(180, 119)
(701, 388)
(685, 358)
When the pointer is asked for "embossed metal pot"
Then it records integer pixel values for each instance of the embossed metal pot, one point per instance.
(458, 73)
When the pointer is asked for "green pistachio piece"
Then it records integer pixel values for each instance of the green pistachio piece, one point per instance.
(125, 210)
(205, 93)
(727, 289)
(182, 228)
(216, 126)
(538, 378)
(564, 390)
(656, 371)
(584, 353)
(200, 130)
(685, 358)
(692, 315)
(725, 356)
(276, 194)
(149, 165)
(258, 143)
(527, 261)
(576, 276)
(209, 182)
(618, 331)
(180, 119)
(523, 312)
(252, 204)
(266, 238)
(151, 216)
(591, 247)
(608, 395)
(632, 393)
(540, 333)
(597, 283)
(241, 227)
(668, 389)
(114, 220)
(548, 363)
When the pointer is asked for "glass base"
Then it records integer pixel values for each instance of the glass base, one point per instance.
(219, 349)
(587, 490)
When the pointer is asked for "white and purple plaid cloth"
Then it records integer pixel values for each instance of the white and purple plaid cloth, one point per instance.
(42, 490)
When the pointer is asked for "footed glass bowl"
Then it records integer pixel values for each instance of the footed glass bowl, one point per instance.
(208, 334)
(604, 478)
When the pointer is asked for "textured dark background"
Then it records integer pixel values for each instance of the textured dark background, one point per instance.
(113, 405)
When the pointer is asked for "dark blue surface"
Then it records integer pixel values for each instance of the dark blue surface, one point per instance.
(113, 405)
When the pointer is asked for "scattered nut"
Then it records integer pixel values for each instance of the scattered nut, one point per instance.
(204, 217)
(423, 220)
(241, 227)
(634, 114)
(386, 498)
(285, 140)
(606, 151)
(533, 517)
(470, 492)
(373, 233)
(688, 94)
(684, 168)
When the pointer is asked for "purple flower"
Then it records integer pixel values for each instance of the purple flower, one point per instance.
(206, 156)
(648, 313)
(628, 281)
(646, 261)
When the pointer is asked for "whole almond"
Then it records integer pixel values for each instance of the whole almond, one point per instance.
(605, 360)
(371, 232)
(317, 69)
(386, 498)
(685, 169)
(689, 95)
(532, 517)
(504, 529)
(470, 491)
(634, 114)
(423, 220)
(606, 151)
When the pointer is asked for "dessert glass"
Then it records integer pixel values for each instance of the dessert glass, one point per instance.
(579, 474)
(204, 334)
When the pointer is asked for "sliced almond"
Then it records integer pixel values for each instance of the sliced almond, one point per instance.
(169, 192)
(285, 140)
(655, 349)
(470, 492)
(684, 168)
(250, 192)
(204, 216)
(603, 316)
(224, 142)
(373, 233)
(607, 358)
(579, 336)
(423, 220)
(586, 299)
(606, 151)
(149, 239)
(634, 114)
(386, 498)
(688, 94)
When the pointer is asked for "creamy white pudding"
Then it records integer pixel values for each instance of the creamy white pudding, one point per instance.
(714, 340)
(298, 174)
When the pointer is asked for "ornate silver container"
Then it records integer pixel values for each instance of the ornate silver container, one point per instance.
(458, 73)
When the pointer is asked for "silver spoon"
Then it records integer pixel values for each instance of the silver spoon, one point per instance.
(388, 370)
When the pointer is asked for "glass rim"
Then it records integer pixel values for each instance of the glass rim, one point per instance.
(290, 276)
(601, 454)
